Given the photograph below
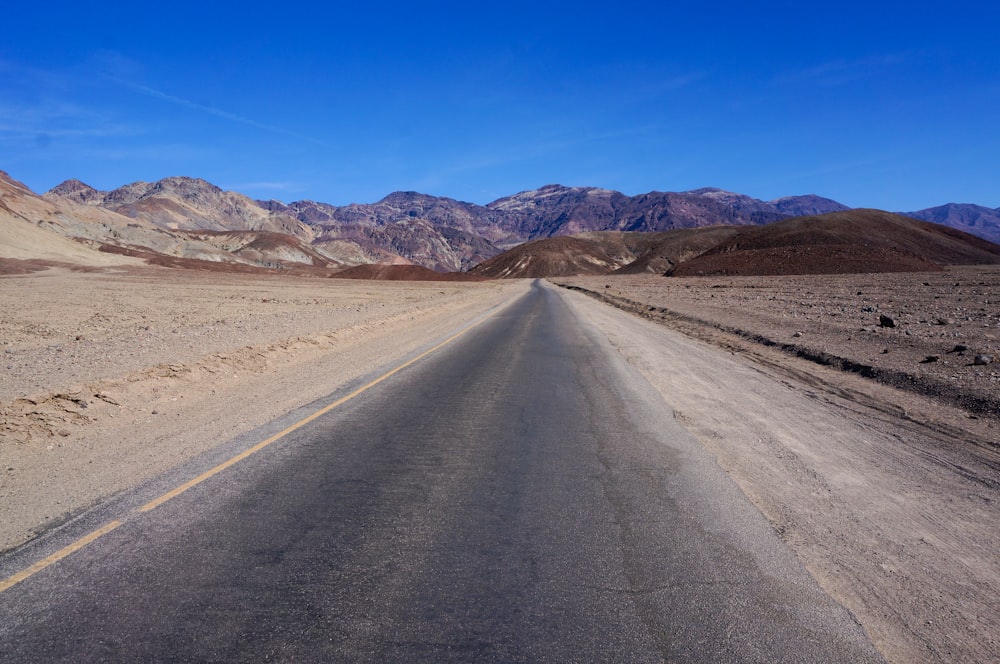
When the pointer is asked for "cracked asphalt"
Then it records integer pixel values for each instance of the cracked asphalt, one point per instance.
(520, 495)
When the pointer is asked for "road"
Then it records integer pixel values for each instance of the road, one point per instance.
(520, 494)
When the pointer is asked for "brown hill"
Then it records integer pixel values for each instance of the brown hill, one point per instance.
(551, 257)
(842, 242)
(383, 272)
(660, 253)
(604, 252)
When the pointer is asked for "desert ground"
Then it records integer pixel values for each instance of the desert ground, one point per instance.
(884, 481)
(111, 377)
(878, 467)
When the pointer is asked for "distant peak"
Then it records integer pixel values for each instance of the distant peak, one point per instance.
(70, 186)
(184, 183)
(76, 190)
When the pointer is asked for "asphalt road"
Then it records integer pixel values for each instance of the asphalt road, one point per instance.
(519, 495)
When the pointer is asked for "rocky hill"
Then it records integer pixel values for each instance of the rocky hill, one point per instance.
(181, 203)
(850, 241)
(604, 252)
(178, 216)
(842, 242)
(73, 227)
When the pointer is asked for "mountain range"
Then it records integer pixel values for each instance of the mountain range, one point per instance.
(847, 241)
(182, 219)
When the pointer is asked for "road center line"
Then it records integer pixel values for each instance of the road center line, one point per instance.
(153, 504)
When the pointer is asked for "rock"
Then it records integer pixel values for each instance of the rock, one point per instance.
(943, 321)
(797, 335)
(982, 360)
(959, 348)
(929, 359)
(886, 321)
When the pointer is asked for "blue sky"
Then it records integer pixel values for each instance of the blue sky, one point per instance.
(887, 105)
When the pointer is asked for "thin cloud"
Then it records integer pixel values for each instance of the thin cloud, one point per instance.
(57, 121)
(839, 72)
(210, 110)
(285, 187)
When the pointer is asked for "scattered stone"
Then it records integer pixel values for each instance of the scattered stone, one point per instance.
(982, 360)
(886, 321)
(929, 359)
(868, 309)
(943, 321)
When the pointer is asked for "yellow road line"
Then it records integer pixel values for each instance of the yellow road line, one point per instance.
(153, 504)
(57, 556)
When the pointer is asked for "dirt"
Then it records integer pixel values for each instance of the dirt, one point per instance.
(921, 332)
(888, 496)
(110, 378)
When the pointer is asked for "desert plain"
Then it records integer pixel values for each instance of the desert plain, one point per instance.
(876, 465)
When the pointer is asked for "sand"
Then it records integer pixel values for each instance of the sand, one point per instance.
(887, 495)
(111, 378)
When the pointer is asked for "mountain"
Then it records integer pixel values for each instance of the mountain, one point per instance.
(604, 252)
(551, 257)
(556, 210)
(182, 203)
(975, 219)
(29, 237)
(178, 216)
(838, 242)
(809, 205)
(439, 233)
(842, 242)
(70, 226)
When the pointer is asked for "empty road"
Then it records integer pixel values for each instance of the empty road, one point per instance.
(519, 495)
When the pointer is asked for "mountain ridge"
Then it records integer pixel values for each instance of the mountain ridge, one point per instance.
(845, 241)
(440, 233)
